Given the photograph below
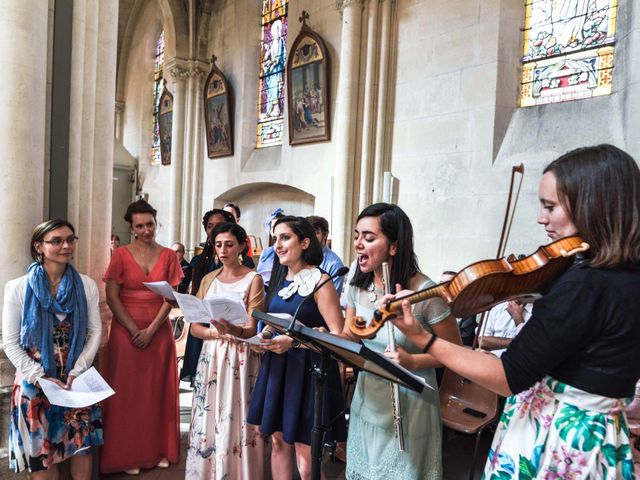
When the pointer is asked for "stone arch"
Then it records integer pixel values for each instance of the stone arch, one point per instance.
(169, 15)
(257, 200)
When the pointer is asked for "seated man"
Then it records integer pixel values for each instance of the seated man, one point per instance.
(331, 263)
(502, 324)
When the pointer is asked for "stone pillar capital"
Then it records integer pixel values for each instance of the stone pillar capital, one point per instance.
(198, 70)
(343, 4)
(177, 68)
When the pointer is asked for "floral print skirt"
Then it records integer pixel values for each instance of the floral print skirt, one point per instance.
(222, 446)
(555, 431)
(41, 434)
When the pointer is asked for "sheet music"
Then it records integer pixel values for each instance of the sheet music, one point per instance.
(161, 288)
(255, 340)
(228, 306)
(87, 389)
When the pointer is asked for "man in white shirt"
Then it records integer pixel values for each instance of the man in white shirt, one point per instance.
(503, 323)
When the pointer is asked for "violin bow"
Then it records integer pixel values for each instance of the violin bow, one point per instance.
(509, 213)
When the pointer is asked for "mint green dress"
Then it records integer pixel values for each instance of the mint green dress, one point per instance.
(372, 447)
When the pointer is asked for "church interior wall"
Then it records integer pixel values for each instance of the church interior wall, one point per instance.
(453, 121)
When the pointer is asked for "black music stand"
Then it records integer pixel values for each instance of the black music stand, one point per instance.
(354, 354)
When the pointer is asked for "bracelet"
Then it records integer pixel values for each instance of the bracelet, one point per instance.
(295, 344)
(429, 343)
(211, 334)
(241, 331)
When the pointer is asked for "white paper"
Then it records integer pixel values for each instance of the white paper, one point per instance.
(255, 340)
(161, 288)
(228, 306)
(87, 389)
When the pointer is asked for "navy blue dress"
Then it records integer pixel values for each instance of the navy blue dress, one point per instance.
(283, 397)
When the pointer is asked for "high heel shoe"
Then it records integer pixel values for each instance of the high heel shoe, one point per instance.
(164, 463)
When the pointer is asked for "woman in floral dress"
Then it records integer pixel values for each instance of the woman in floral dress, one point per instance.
(221, 444)
(51, 330)
(573, 367)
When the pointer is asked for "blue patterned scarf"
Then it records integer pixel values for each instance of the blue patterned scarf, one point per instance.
(38, 315)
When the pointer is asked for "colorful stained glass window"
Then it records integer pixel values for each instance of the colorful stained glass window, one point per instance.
(157, 91)
(568, 50)
(272, 68)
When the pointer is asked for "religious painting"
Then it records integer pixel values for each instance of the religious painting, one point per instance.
(218, 113)
(165, 123)
(272, 68)
(568, 50)
(308, 87)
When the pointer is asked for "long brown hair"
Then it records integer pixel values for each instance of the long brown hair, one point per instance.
(599, 187)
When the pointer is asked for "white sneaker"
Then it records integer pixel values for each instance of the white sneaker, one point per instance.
(133, 471)
(164, 463)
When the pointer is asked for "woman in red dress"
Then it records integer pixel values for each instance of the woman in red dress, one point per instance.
(142, 418)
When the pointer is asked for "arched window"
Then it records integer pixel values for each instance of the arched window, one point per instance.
(568, 50)
(272, 67)
(158, 63)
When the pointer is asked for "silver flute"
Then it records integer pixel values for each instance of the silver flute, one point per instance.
(395, 390)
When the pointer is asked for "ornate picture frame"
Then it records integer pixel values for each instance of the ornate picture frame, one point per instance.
(308, 88)
(218, 113)
(165, 124)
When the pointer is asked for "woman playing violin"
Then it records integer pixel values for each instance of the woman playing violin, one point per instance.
(570, 370)
(384, 234)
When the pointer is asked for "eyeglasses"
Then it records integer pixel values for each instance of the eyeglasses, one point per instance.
(59, 241)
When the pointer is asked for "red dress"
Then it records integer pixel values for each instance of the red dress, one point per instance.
(141, 421)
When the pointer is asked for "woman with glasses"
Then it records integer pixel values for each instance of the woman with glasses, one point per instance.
(141, 420)
(51, 330)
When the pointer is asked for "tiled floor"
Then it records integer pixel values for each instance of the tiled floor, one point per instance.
(457, 451)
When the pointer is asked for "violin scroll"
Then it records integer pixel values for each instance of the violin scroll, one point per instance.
(360, 328)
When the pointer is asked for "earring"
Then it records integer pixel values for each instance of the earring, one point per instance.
(40, 257)
(240, 258)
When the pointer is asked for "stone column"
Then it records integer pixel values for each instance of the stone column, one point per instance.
(368, 114)
(23, 53)
(199, 72)
(345, 126)
(75, 111)
(179, 74)
(380, 163)
(103, 148)
(87, 127)
(119, 119)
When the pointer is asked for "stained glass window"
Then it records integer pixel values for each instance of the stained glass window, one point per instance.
(157, 91)
(272, 69)
(568, 50)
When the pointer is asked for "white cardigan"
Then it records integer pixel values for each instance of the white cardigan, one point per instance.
(12, 319)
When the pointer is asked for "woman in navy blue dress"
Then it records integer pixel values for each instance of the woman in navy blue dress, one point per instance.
(283, 400)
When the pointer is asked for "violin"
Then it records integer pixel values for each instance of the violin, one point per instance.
(486, 283)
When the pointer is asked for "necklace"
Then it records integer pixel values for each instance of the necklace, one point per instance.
(373, 295)
(144, 251)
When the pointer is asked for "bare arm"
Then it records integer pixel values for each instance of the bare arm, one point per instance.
(119, 311)
(329, 305)
(494, 343)
(480, 367)
(446, 330)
